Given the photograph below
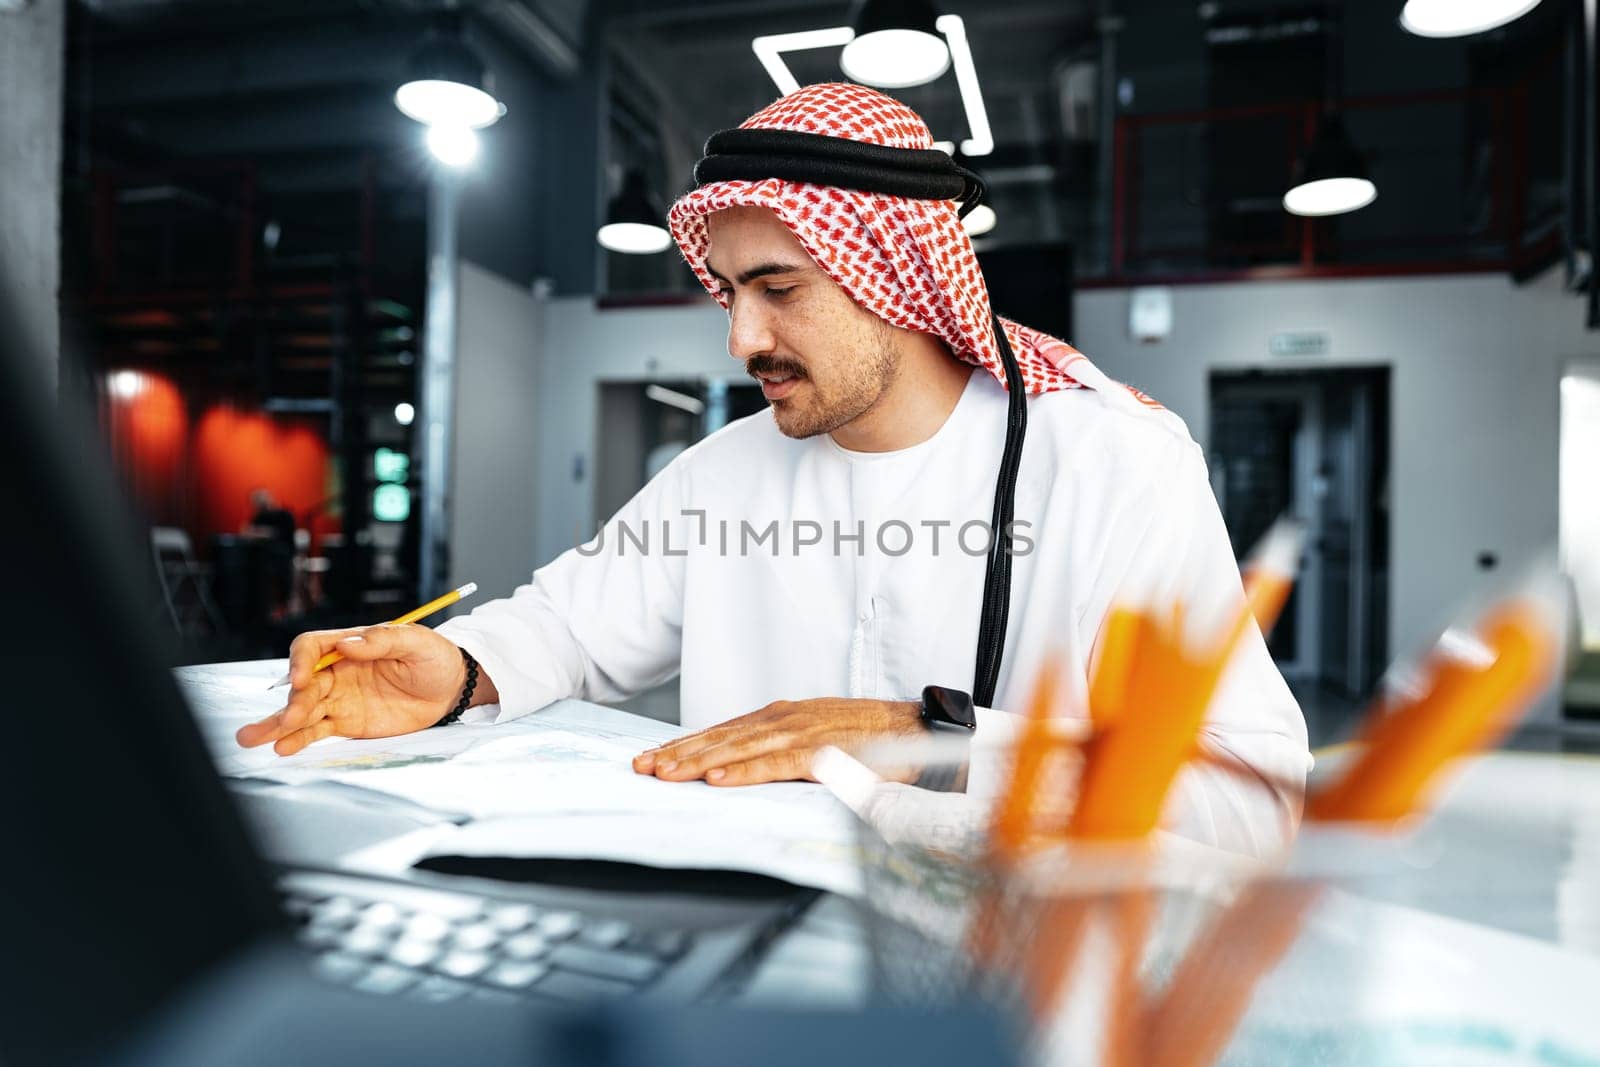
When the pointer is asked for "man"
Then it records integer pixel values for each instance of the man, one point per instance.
(808, 573)
(269, 519)
(273, 526)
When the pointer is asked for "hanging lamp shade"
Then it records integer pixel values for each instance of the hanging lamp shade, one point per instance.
(1459, 18)
(634, 224)
(896, 44)
(1331, 178)
(980, 220)
(447, 84)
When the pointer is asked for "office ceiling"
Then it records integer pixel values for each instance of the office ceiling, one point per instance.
(302, 88)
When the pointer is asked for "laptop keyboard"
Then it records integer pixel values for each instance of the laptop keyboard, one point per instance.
(433, 945)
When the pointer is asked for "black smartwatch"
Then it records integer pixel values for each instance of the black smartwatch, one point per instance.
(947, 709)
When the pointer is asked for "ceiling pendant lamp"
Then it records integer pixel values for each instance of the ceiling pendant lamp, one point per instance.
(1331, 177)
(634, 224)
(1459, 18)
(896, 44)
(447, 84)
(980, 220)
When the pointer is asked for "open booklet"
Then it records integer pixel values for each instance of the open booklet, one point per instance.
(555, 784)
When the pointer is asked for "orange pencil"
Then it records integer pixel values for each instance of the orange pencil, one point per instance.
(1014, 813)
(1130, 767)
(1475, 685)
(1118, 653)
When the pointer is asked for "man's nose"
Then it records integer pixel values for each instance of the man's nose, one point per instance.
(749, 332)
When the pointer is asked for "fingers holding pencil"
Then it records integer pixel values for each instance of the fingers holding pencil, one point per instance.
(309, 688)
(308, 651)
(306, 707)
(368, 681)
(329, 656)
(390, 680)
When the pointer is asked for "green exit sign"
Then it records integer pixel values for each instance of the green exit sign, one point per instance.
(391, 466)
(391, 503)
(1300, 343)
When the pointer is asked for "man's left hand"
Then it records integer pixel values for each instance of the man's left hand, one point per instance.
(777, 743)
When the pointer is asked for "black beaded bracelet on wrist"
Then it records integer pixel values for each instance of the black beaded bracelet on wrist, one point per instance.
(466, 691)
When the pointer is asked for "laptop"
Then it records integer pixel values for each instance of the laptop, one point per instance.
(140, 922)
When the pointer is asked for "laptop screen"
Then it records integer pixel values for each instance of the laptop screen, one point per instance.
(129, 871)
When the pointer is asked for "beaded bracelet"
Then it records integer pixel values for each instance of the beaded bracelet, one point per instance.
(466, 691)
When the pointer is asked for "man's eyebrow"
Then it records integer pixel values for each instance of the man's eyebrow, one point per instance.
(760, 271)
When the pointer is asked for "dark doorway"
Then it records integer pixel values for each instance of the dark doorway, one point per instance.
(1314, 444)
(649, 423)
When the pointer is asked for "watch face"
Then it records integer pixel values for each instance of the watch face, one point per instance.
(948, 706)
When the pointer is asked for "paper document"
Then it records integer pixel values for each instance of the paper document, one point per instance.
(227, 696)
(223, 702)
(549, 770)
(555, 784)
(560, 793)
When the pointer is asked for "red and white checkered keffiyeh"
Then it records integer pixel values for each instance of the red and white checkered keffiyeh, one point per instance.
(906, 260)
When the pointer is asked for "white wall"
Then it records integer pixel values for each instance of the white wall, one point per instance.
(1476, 367)
(31, 59)
(492, 506)
(1580, 500)
(583, 347)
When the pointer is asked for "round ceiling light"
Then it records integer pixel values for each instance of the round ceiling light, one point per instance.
(1329, 196)
(437, 102)
(980, 220)
(1459, 18)
(896, 45)
(447, 84)
(634, 225)
(1331, 178)
(634, 238)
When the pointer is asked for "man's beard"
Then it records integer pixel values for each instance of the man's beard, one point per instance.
(825, 408)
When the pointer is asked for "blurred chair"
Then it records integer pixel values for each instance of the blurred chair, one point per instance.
(185, 583)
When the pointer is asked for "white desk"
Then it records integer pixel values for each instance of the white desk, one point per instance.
(1499, 919)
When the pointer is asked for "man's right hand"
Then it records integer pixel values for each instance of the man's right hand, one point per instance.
(392, 680)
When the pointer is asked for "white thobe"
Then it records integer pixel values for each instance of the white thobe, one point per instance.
(760, 568)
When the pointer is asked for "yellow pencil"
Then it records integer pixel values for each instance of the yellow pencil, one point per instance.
(414, 615)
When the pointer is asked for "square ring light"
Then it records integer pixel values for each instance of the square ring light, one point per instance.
(769, 50)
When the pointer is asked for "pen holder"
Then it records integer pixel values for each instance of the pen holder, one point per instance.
(1176, 955)
(946, 923)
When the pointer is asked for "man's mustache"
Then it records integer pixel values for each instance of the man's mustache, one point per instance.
(759, 365)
